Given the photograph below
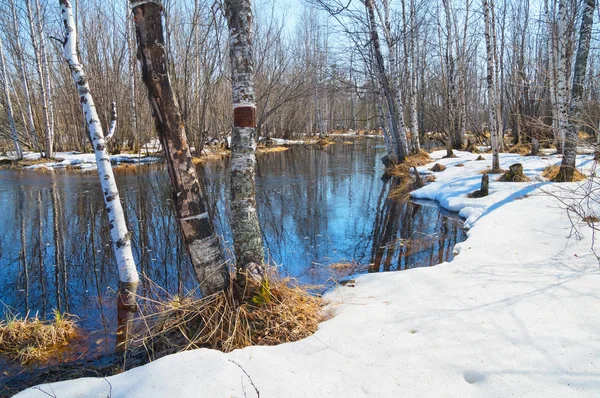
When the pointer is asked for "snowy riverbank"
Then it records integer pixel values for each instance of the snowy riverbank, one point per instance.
(514, 314)
(84, 161)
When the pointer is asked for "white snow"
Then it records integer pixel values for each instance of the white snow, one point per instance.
(87, 161)
(514, 314)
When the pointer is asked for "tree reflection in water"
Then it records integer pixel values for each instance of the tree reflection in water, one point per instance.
(316, 208)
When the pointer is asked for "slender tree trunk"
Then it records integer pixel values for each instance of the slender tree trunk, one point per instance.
(131, 65)
(120, 236)
(243, 217)
(562, 93)
(401, 138)
(385, 83)
(414, 118)
(24, 76)
(452, 94)
(47, 84)
(192, 212)
(553, 77)
(8, 105)
(38, 66)
(491, 87)
(497, 87)
(567, 168)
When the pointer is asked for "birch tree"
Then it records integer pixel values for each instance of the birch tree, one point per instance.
(20, 58)
(8, 106)
(491, 88)
(562, 92)
(120, 236)
(194, 220)
(41, 72)
(243, 218)
(567, 168)
(385, 83)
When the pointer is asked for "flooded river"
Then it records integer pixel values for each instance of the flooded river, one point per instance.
(317, 208)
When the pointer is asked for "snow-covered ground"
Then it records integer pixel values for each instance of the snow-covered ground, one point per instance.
(86, 161)
(514, 314)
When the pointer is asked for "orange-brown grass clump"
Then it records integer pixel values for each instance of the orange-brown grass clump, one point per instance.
(125, 167)
(414, 160)
(521, 149)
(32, 340)
(551, 172)
(270, 149)
(210, 156)
(322, 142)
(275, 311)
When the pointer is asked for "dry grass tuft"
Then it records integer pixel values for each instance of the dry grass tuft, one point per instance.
(210, 156)
(125, 167)
(551, 172)
(414, 160)
(277, 311)
(322, 142)
(521, 149)
(437, 168)
(264, 149)
(490, 171)
(32, 340)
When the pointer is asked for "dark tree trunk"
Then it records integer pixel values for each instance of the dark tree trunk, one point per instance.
(192, 214)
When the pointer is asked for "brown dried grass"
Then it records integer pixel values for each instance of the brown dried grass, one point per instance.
(125, 167)
(551, 172)
(276, 311)
(208, 156)
(32, 340)
(263, 149)
(521, 149)
(322, 142)
(414, 160)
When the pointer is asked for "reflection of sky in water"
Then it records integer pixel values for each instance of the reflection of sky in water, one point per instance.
(316, 208)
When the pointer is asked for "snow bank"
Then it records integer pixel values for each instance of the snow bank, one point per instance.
(514, 314)
(87, 161)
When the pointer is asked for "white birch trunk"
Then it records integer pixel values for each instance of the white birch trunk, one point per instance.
(47, 83)
(113, 122)
(119, 234)
(24, 76)
(414, 129)
(38, 67)
(561, 73)
(491, 86)
(497, 88)
(243, 217)
(8, 104)
(553, 76)
(383, 78)
(401, 138)
(567, 168)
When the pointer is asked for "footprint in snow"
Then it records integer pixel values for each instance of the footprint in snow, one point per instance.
(473, 376)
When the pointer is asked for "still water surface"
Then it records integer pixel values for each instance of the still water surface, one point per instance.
(317, 207)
